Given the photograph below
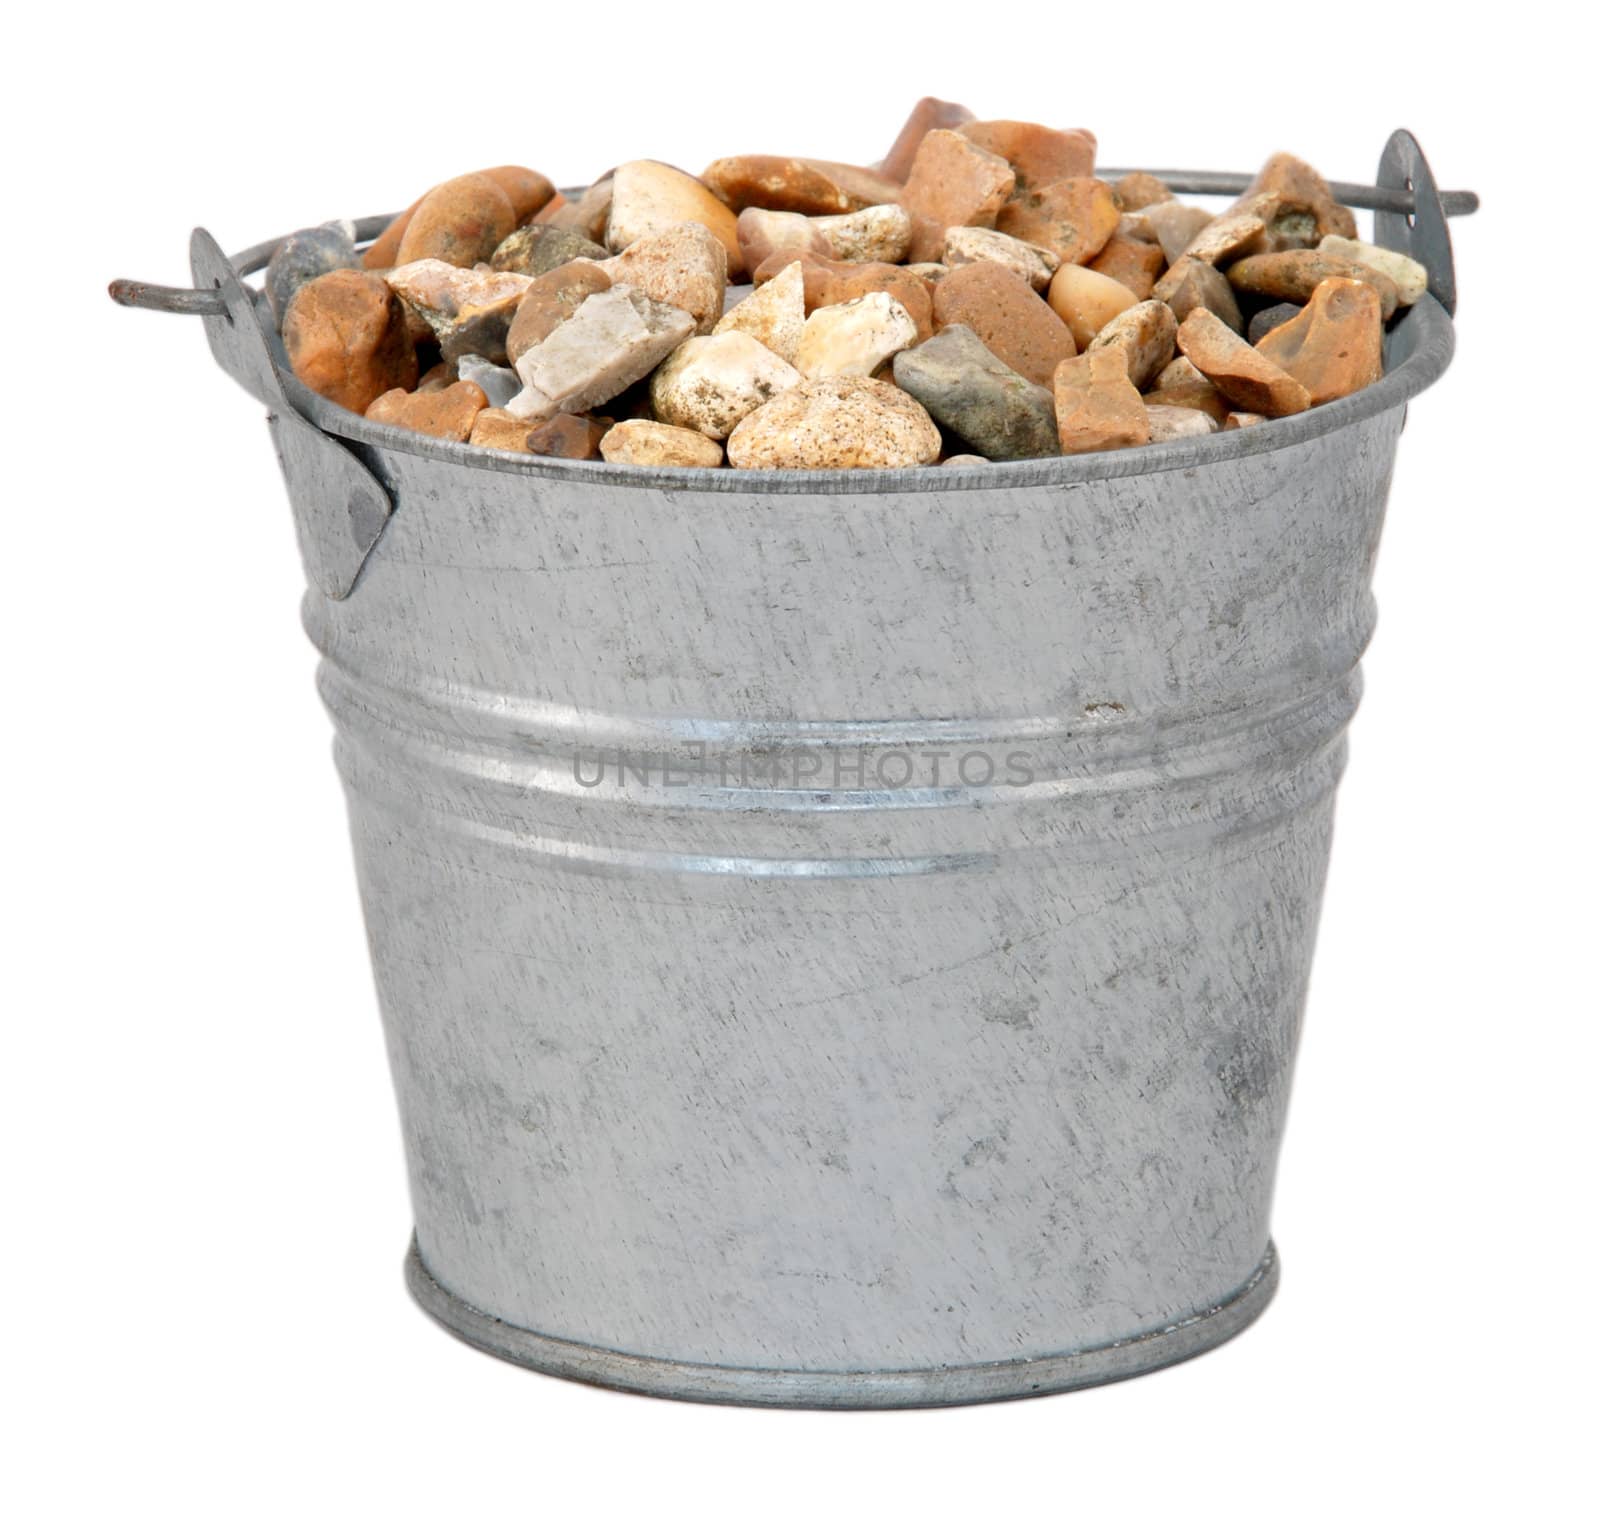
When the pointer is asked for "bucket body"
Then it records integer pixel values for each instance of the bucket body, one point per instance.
(848, 947)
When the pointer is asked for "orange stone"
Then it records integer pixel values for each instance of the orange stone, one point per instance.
(527, 190)
(1005, 312)
(437, 378)
(499, 430)
(1334, 345)
(460, 222)
(781, 184)
(828, 282)
(1138, 190)
(1097, 407)
(929, 113)
(447, 414)
(1037, 155)
(346, 338)
(1245, 377)
(953, 182)
(1074, 218)
(1292, 275)
(1134, 262)
(1302, 194)
(1192, 284)
(1181, 386)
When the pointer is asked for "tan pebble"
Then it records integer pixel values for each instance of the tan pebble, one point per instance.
(1038, 156)
(346, 338)
(774, 314)
(1238, 420)
(1004, 311)
(966, 246)
(1410, 277)
(1146, 334)
(1334, 346)
(778, 183)
(552, 299)
(1302, 193)
(1140, 190)
(1245, 377)
(1074, 218)
(965, 459)
(851, 422)
(827, 282)
(854, 338)
(929, 113)
(1174, 423)
(1136, 263)
(1238, 232)
(526, 190)
(498, 430)
(448, 413)
(684, 266)
(953, 183)
(1176, 226)
(649, 198)
(460, 222)
(587, 215)
(647, 443)
(1181, 386)
(710, 383)
(576, 437)
(872, 233)
(1097, 407)
(1086, 301)
(1192, 284)
(1292, 275)
(762, 234)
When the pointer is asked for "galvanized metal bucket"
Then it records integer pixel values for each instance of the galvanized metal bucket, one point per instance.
(841, 937)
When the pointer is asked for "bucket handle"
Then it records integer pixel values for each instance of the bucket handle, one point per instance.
(340, 508)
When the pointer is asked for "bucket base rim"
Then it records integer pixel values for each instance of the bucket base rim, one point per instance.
(846, 1390)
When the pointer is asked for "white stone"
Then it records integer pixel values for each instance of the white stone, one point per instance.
(1170, 422)
(1034, 263)
(500, 384)
(836, 422)
(854, 338)
(648, 443)
(774, 314)
(614, 339)
(710, 383)
(1409, 276)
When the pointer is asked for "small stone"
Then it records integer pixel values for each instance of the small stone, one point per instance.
(967, 459)
(1239, 231)
(1302, 193)
(587, 215)
(527, 189)
(536, 248)
(953, 183)
(497, 430)
(828, 282)
(1147, 336)
(1192, 284)
(1176, 226)
(460, 222)
(773, 314)
(783, 184)
(469, 311)
(1139, 190)
(552, 299)
(966, 246)
(1181, 386)
(1038, 156)
(684, 266)
(1018, 325)
(1268, 319)
(872, 233)
(1410, 277)
(1172, 423)
(615, 338)
(1245, 377)
(1292, 275)
(500, 384)
(1136, 263)
(762, 234)
(1074, 218)
(576, 437)
(447, 414)
(854, 338)
(437, 378)
(865, 187)
(1097, 407)
(837, 422)
(649, 198)
(970, 391)
(1334, 345)
(709, 383)
(647, 443)
(1241, 421)
(304, 256)
(1086, 301)
(345, 336)
(929, 113)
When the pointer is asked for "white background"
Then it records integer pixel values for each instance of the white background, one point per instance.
(205, 1205)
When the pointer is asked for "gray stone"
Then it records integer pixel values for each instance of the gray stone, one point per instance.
(500, 384)
(971, 392)
(304, 256)
(1268, 319)
(539, 247)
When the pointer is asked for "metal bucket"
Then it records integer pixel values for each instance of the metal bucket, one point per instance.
(842, 937)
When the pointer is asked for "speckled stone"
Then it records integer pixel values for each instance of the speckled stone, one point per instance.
(1018, 325)
(538, 247)
(1192, 284)
(1292, 275)
(469, 311)
(1097, 407)
(966, 246)
(1140, 190)
(773, 314)
(1074, 218)
(304, 256)
(852, 422)
(970, 391)
(648, 443)
(1168, 422)
(684, 266)
(649, 198)
(827, 282)
(1334, 345)
(497, 430)
(709, 383)
(953, 183)
(1245, 377)
(966, 459)
(346, 338)
(1410, 277)
(1147, 336)
(1086, 301)
(447, 414)
(872, 233)
(854, 338)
